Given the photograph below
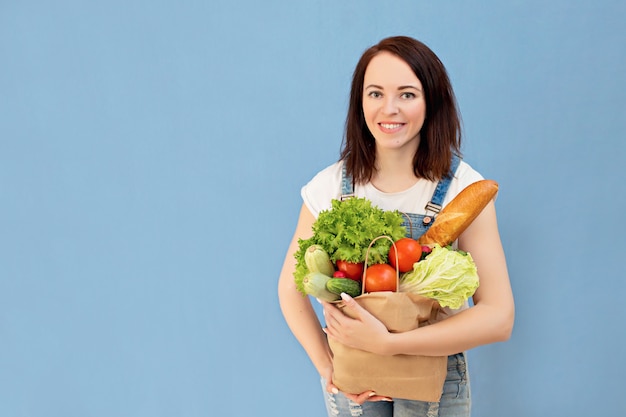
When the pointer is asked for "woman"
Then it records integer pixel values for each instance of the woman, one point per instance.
(402, 139)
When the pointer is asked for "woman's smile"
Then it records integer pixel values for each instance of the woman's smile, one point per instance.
(387, 127)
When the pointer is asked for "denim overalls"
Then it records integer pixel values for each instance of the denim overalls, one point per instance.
(455, 400)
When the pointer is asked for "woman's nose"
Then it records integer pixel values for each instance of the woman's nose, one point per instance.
(390, 106)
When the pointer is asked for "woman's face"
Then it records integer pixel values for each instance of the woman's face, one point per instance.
(393, 103)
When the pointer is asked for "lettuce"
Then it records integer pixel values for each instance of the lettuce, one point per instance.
(346, 230)
(446, 275)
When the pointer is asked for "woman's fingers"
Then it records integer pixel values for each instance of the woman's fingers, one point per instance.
(366, 396)
(332, 315)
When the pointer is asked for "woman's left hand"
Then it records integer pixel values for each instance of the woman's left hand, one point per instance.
(363, 332)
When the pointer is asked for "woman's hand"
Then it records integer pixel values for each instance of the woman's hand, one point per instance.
(366, 396)
(357, 398)
(363, 332)
(327, 374)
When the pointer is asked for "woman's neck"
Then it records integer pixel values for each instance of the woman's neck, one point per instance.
(394, 171)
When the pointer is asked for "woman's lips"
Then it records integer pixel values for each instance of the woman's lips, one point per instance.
(388, 127)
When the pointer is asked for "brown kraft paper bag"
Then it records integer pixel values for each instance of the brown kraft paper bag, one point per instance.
(411, 377)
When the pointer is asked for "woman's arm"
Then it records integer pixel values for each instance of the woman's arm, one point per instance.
(297, 309)
(489, 320)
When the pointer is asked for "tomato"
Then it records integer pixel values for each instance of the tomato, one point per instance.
(352, 270)
(409, 251)
(380, 277)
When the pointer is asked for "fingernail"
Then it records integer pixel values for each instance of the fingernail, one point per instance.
(371, 394)
(319, 301)
(345, 296)
(335, 390)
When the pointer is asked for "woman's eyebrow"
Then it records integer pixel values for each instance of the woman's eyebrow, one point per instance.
(402, 87)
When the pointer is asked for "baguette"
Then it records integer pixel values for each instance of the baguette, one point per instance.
(459, 213)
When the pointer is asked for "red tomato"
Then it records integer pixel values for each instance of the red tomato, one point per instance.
(352, 270)
(380, 277)
(409, 251)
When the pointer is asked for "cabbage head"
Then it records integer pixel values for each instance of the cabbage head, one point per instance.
(446, 275)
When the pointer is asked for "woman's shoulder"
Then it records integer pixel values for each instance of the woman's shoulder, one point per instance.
(464, 176)
(325, 186)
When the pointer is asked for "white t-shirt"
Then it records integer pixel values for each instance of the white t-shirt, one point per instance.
(326, 186)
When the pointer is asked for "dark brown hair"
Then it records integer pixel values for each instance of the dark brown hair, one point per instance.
(440, 136)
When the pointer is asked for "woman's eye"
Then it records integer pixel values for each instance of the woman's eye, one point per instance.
(408, 95)
(374, 94)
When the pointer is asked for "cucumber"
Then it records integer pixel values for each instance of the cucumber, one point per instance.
(347, 285)
(317, 260)
(314, 284)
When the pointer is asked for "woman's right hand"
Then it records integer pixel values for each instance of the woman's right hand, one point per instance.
(366, 396)
(327, 374)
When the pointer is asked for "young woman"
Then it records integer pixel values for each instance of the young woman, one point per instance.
(402, 140)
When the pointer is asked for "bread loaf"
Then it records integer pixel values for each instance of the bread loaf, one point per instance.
(457, 215)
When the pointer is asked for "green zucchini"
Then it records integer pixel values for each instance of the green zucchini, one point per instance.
(347, 285)
(314, 284)
(317, 260)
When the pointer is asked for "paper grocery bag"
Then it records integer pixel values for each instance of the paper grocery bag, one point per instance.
(410, 377)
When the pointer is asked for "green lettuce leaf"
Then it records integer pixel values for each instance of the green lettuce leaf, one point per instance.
(301, 269)
(346, 230)
(446, 275)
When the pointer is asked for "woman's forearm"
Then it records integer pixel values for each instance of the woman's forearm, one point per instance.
(305, 326)
(476, 326)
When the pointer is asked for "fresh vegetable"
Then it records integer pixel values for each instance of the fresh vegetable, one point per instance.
(408, 252)
(317, 260)
(314, 284)
(339, 274)
(351, 269)
(446, 275)
(347, 285)
(345, 232)
(301, 269)
(380, 277)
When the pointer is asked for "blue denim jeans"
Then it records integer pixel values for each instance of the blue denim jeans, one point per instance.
(455, 399)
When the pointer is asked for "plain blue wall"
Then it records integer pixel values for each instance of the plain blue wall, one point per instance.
(151, 156)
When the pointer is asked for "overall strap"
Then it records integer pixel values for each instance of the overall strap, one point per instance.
(347, 185)
(436, 202)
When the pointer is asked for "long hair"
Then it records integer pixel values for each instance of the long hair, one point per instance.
(440, 136)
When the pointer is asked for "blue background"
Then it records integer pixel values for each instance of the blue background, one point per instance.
(151, 157)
